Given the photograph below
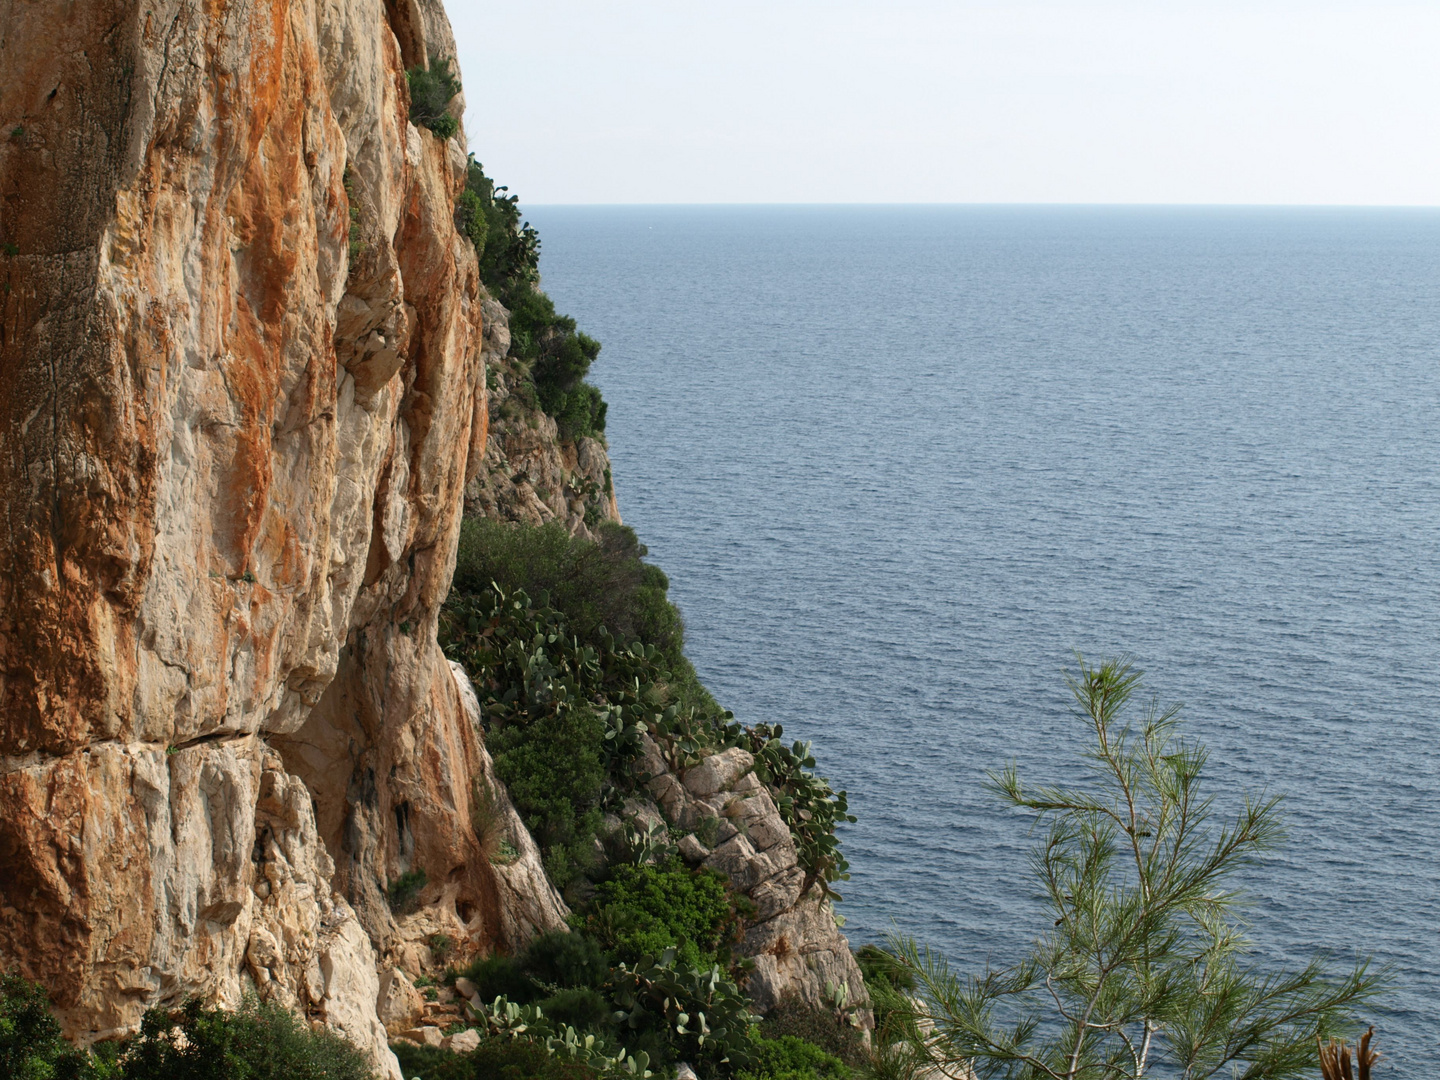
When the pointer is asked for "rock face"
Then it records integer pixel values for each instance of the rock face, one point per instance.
(234, 440)
(732, 825)
(528, 474)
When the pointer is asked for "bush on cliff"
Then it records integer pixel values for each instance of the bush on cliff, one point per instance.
(431, 91)
(562, 717)
(194, 1042)
(593, 585)
(646, 909)
(552, 678)
(822, 1028)
(550, 761)
(258, 1042)
(494, 1059)
(30, 1044)
(790, 1058)
(555, 353)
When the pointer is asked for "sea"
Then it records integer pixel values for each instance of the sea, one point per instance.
(903, 464)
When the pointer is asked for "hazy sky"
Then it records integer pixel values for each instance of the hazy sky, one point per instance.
(643, 101)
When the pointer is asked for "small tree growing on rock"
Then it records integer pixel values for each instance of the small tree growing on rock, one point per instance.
(1145, 966)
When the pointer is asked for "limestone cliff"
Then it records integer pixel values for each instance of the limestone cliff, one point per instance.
(233, 448)
(247, 375)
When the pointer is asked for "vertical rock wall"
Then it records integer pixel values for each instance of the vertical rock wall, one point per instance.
(234, 440)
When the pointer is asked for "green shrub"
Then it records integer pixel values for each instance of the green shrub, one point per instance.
(819, 1027)
(581, 1007)
(510, 258)
(558, 958)
(259, 1042)
(501, 976)
(553, 771)
(404, 892)
(882, 967)
(556, 354)
(789, 1058)
(440, 946)
(494, 1059)
(31, 1047)
(470, 220)
(592, 585)
(675, 1012)
(645, 910)
(431, 91)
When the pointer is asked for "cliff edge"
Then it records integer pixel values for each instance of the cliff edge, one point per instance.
(236, 437)
(250, 381)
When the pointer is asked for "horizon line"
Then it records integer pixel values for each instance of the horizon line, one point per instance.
(1014, 205)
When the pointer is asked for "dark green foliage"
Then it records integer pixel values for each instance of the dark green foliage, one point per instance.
(562, 716)
(556, 354)
(30, 1044)
(431, 91)
(559, 357)
(592, 585)
(470, 220)
(645, 910)
(552, 768)
(495, 1059)
(882, 967)
(440, 946)
(789, 1058)
(260, 1042)
(510, 257)
(561, 666)
(676, 1012)
(819, 1027)
(582, 1008)
(404, 891)
(554, 960)
(501, 976)
(560, 959)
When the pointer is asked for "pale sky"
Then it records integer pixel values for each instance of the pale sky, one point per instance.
(1091, 101)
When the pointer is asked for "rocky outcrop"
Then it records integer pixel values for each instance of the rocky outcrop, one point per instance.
(529, 474)
(731, 824)
(241, 394)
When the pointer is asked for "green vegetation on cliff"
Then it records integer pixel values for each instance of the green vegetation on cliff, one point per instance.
(555, 353)
(576, 655)
(194, 1042)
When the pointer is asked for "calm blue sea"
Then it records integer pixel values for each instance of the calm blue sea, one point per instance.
(901, 463)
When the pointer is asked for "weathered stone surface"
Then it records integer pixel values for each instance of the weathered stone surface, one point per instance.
(400, 1004)
(793, 939)
(691, 850)
(462, 1042)
(233, 451)
(798, 952)
(718, 772)
(429, 1035)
